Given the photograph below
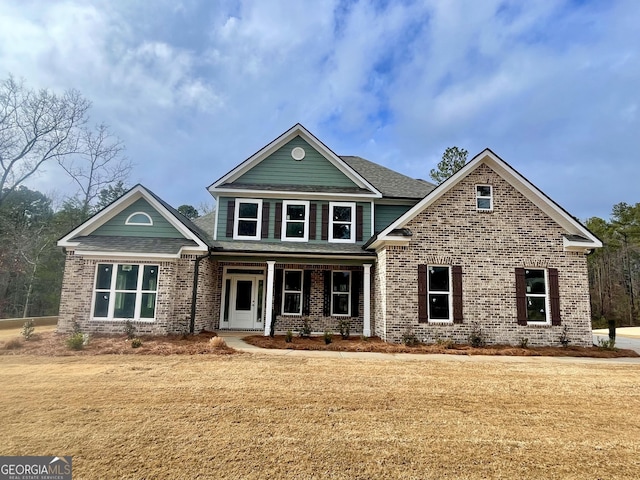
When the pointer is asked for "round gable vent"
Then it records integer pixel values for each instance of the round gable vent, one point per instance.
(298, 153)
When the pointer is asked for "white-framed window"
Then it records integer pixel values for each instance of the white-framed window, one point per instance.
(341, 293)
(139, 218)
(125, 291)
(536, 293)
(295, 221)
(248, 219)
(292, 292)
(484, 198)
(342, 222)
(439, 295)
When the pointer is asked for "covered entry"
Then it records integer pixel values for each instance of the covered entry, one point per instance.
(243, 299)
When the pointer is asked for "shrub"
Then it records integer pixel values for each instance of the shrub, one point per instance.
(444, 342)
(564, 337)
(288, 336)
(607, 344)
(344, 325)
(130, 330)
(409, 338)
(305, 330)
(136, 342)
(28, 329)
(76, 341)
(476, 337)
(328, 337)
(12, 344)
(524, 342)
(217, 342)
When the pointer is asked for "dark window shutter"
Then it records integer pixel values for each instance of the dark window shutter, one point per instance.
(326, 305)
(456, 274)
(325, 221)
(423, 307)
(521, 298)
(277, 297)
(312, 221)
(356, 281)
(359, 223)
(265, 219)
(277, 232)
(306, 293)
(231, 210)
(554, 296)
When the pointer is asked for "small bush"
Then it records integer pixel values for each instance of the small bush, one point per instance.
(445, 342)
(328, 337)
(476, 337)
(136, 343)
(288, 336)
(12, 344)
(606, 344)
(217, 342)
(409, 338)
(27, 329)
(344, 325)
(76, 341)
(524, 342)
(305, 330)
(564, 337)
(130, 330)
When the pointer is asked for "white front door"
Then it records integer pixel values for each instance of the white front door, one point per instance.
(245, 302)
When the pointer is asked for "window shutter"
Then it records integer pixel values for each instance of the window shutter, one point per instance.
(327, 294)
(325, 221)
(277, 232)
(277, 298)
(423, 307)
(456, 273)
(356, 281)
(231, 210)
(359, 223)
(312, 221)
(265, 219)
(554, 296)
(306, 293)
(521, 298)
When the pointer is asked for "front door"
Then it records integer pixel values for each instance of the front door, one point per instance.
(245, 302)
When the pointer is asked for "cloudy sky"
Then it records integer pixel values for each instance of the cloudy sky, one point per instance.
(194, 87)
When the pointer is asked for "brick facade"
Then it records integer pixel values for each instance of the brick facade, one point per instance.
(488, 246)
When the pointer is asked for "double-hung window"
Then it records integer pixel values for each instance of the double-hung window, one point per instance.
(341, 293)
(248, 217)
(536, 294)
(292, 292)
(484, 198)
(125, 291)
(295, 221)
(439, 293)
(342, 219)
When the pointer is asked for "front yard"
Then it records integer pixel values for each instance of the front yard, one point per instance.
(254, 416)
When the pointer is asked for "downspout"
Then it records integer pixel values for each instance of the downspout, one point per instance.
(194, 293)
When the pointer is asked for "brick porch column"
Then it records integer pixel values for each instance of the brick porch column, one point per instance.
(268, 317)
(366, 328)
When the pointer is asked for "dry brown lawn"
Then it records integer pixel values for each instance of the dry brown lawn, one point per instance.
(258, 416)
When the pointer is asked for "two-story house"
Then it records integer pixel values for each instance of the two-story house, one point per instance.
(301, 234)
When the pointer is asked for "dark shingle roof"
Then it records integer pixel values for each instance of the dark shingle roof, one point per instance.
(100, 243)
(389, 182)
(291, 247)
(206, 223)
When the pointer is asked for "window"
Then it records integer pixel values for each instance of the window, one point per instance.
(139, 218)
(536, 295)
(292, 292)
(341, 293)
(295, 221)
(342, 222)
(484, 198)
(129, 293)
(439, 293)
(248, 217)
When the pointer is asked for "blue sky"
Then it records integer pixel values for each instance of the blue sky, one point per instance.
(194, 87)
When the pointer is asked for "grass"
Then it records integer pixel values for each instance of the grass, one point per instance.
(258, 416)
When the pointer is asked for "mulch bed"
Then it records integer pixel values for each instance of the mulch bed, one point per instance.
(374, 344)
(54, 344)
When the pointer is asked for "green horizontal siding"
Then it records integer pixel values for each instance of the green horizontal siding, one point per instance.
(386, 214)
(280, 168)
(117, 227)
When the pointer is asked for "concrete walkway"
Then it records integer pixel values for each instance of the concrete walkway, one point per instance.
(234, 340)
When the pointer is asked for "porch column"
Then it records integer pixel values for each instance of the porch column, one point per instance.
(268, 317)
(366, 328)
